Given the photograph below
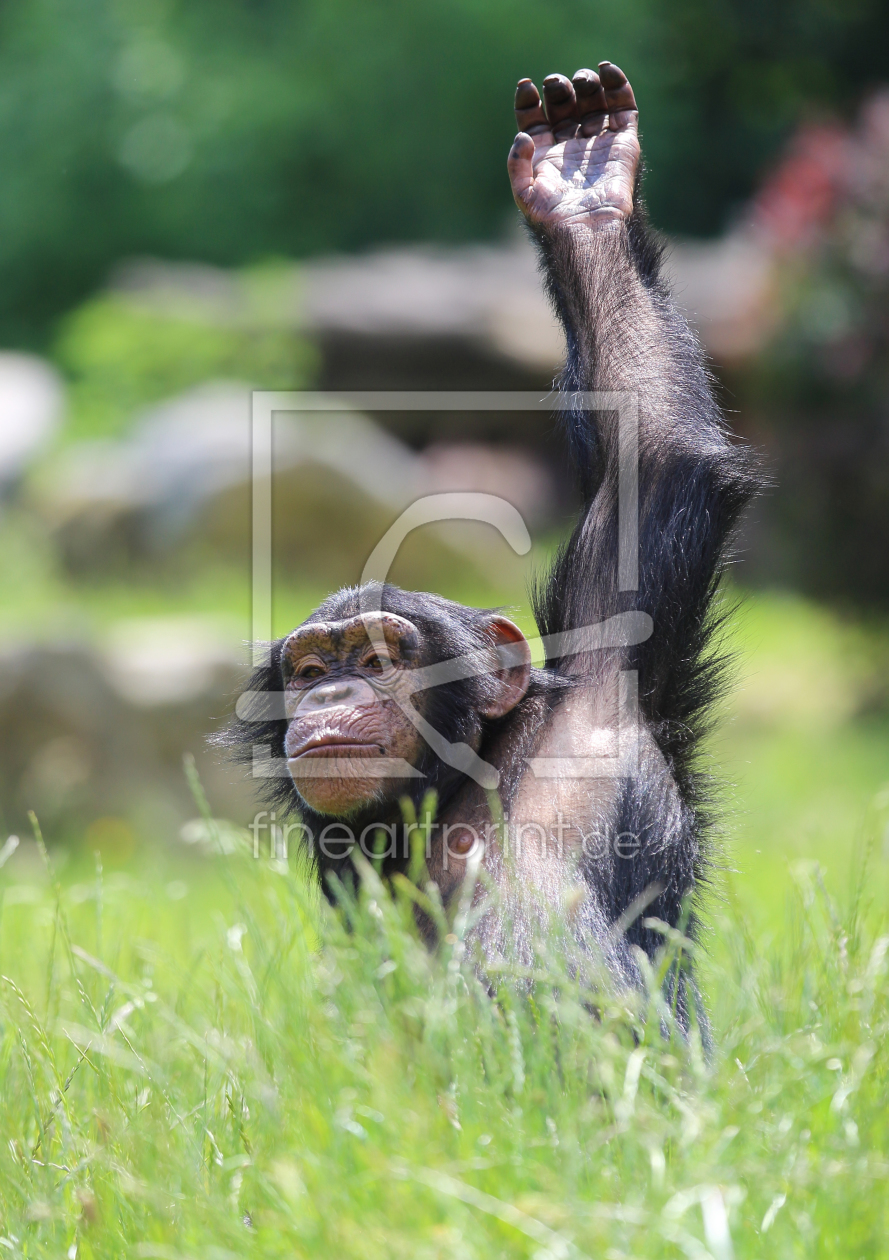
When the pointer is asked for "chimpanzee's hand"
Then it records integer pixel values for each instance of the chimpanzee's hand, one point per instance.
(574, 160)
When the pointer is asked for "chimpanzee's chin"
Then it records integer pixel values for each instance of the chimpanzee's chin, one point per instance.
(337, 804)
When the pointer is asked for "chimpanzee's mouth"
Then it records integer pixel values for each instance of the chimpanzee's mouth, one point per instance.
(334, 746)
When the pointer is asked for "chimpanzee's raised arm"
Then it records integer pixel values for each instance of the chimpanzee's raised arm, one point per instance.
(573, 168)
(348, 717)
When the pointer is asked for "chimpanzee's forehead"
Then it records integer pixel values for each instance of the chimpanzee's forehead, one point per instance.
(354, 634)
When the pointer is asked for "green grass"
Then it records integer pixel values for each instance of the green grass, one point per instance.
(805, 749)
(201, 1061)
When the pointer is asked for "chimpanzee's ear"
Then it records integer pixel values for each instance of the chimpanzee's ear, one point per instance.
(514, 673)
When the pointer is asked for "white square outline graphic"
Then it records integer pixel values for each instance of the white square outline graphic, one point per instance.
(265, 404)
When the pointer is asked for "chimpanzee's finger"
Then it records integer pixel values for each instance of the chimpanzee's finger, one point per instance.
(521, 167)
(561, 106)
(619, 98)
(591, 107)
(529, 114)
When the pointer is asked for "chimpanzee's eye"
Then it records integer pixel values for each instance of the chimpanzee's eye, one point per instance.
(377, 663)
(310, 671)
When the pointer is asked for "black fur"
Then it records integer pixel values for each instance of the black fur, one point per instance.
(694, 483)
(623, 333)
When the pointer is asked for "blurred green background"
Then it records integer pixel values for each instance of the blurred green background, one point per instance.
(206, 197)
(233, 131)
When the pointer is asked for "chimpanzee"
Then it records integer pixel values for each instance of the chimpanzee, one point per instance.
(594, 755)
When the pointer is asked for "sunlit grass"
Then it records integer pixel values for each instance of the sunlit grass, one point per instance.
(199, 1059)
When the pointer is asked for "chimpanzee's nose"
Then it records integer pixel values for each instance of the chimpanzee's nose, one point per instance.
(330, 693)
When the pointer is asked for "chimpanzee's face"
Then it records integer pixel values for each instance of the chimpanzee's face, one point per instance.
(350, 740)
(354, 700)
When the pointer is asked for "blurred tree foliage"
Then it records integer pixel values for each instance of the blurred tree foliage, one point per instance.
(121, 356)
(231, 130)
(821, 383)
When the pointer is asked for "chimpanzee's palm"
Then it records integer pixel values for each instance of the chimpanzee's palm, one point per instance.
(574, 160)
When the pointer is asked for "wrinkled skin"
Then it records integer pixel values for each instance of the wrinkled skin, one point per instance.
(341, 700)
(575, 158)
(350, 739)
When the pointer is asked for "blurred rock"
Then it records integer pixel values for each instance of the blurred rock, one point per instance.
(485, 294)
(726, 287)
(512, 473)
(489, 297)
(99, 731)
(139, 495)
(180, 486)
(31, 405)
(153, 662)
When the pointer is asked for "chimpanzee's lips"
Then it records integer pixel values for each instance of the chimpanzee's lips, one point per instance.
(334, 746)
